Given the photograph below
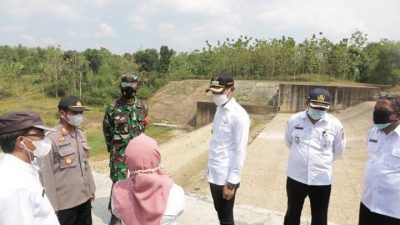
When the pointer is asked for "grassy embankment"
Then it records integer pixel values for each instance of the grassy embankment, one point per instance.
(47, 109)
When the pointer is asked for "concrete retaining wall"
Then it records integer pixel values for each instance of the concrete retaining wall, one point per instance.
(287, 98)
(206, 111)
(291, 97)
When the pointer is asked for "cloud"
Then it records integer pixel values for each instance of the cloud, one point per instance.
(335, 18)
(12, 29)
(310, 16)
(33, 8)
(184, 22)
(102, 3)
(138, 22)
(31, 41)
(171, 32)
(105, 31)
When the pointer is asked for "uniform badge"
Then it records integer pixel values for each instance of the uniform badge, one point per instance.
(61, 139)
(68, 160)
(64, 130)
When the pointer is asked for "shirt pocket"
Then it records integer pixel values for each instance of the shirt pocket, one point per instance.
(327, 141)
(121, 123)
(68, 157)
(225, 129)
(372, 146)
(394, 158)
(298, 136)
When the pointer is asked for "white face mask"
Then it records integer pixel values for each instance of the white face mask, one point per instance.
(43, 147)
(220, 99)
(75, 120)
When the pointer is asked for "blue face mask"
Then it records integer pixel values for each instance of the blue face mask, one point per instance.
(315, 114)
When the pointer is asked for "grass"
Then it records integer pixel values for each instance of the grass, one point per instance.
(47, 109)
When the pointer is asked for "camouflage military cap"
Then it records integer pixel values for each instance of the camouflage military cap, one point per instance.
(128, 80)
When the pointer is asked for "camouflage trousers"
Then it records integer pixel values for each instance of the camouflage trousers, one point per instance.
(118, 171)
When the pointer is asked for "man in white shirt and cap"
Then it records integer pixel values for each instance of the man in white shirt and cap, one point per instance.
(228, 147)
(380, 200)
(315, 139)
(23, 200)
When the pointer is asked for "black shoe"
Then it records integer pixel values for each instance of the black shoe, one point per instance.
(114, 221)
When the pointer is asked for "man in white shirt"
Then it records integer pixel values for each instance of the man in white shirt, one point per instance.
(22, 197)
(315, 139)
(380, 200)
(228, 146)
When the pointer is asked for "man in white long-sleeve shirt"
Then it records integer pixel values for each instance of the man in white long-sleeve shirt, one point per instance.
(228, 147)
(23, 200)
(315, 139)
(380, 200)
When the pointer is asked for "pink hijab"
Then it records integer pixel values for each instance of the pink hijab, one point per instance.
(141, 199)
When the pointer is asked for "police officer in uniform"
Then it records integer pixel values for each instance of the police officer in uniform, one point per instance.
(315, 139)
(23, 200)
(380, 200)
(124, 119)
(65, 171)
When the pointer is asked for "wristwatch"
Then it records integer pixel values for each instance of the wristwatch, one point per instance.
(230, 186)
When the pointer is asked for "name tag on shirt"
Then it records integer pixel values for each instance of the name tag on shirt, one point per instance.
(373, 140)
(298, 128)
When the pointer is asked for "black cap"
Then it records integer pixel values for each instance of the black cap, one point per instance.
(15, 121)
(72, 103)
(219, 82)
(319, 98)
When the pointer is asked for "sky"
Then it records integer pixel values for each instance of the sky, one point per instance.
(184, 25)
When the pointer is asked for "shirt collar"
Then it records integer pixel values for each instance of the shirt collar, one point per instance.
(397, 130)
(65, 131)
(229, 104)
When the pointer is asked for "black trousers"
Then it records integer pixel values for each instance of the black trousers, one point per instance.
(319, 201)
(366, 217)
(223, 207)
(78, 215)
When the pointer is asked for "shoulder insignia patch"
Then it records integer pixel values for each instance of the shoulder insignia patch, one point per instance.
(61, 139)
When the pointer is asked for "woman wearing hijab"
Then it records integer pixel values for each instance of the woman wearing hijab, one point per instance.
(148, 196)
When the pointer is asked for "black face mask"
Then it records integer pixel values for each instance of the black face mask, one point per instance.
(128, 92)
(381, 116)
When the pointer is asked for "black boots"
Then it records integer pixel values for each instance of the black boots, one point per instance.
(114, 221)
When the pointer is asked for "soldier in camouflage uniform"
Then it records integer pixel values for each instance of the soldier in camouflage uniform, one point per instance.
(124, 119)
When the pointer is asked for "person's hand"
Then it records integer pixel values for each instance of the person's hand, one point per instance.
(92, 197)
(227, 193)
(87, 153)
(147, 120)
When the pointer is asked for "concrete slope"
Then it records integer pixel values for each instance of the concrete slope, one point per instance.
(185, 159)
(176, 102)
(264, 176)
